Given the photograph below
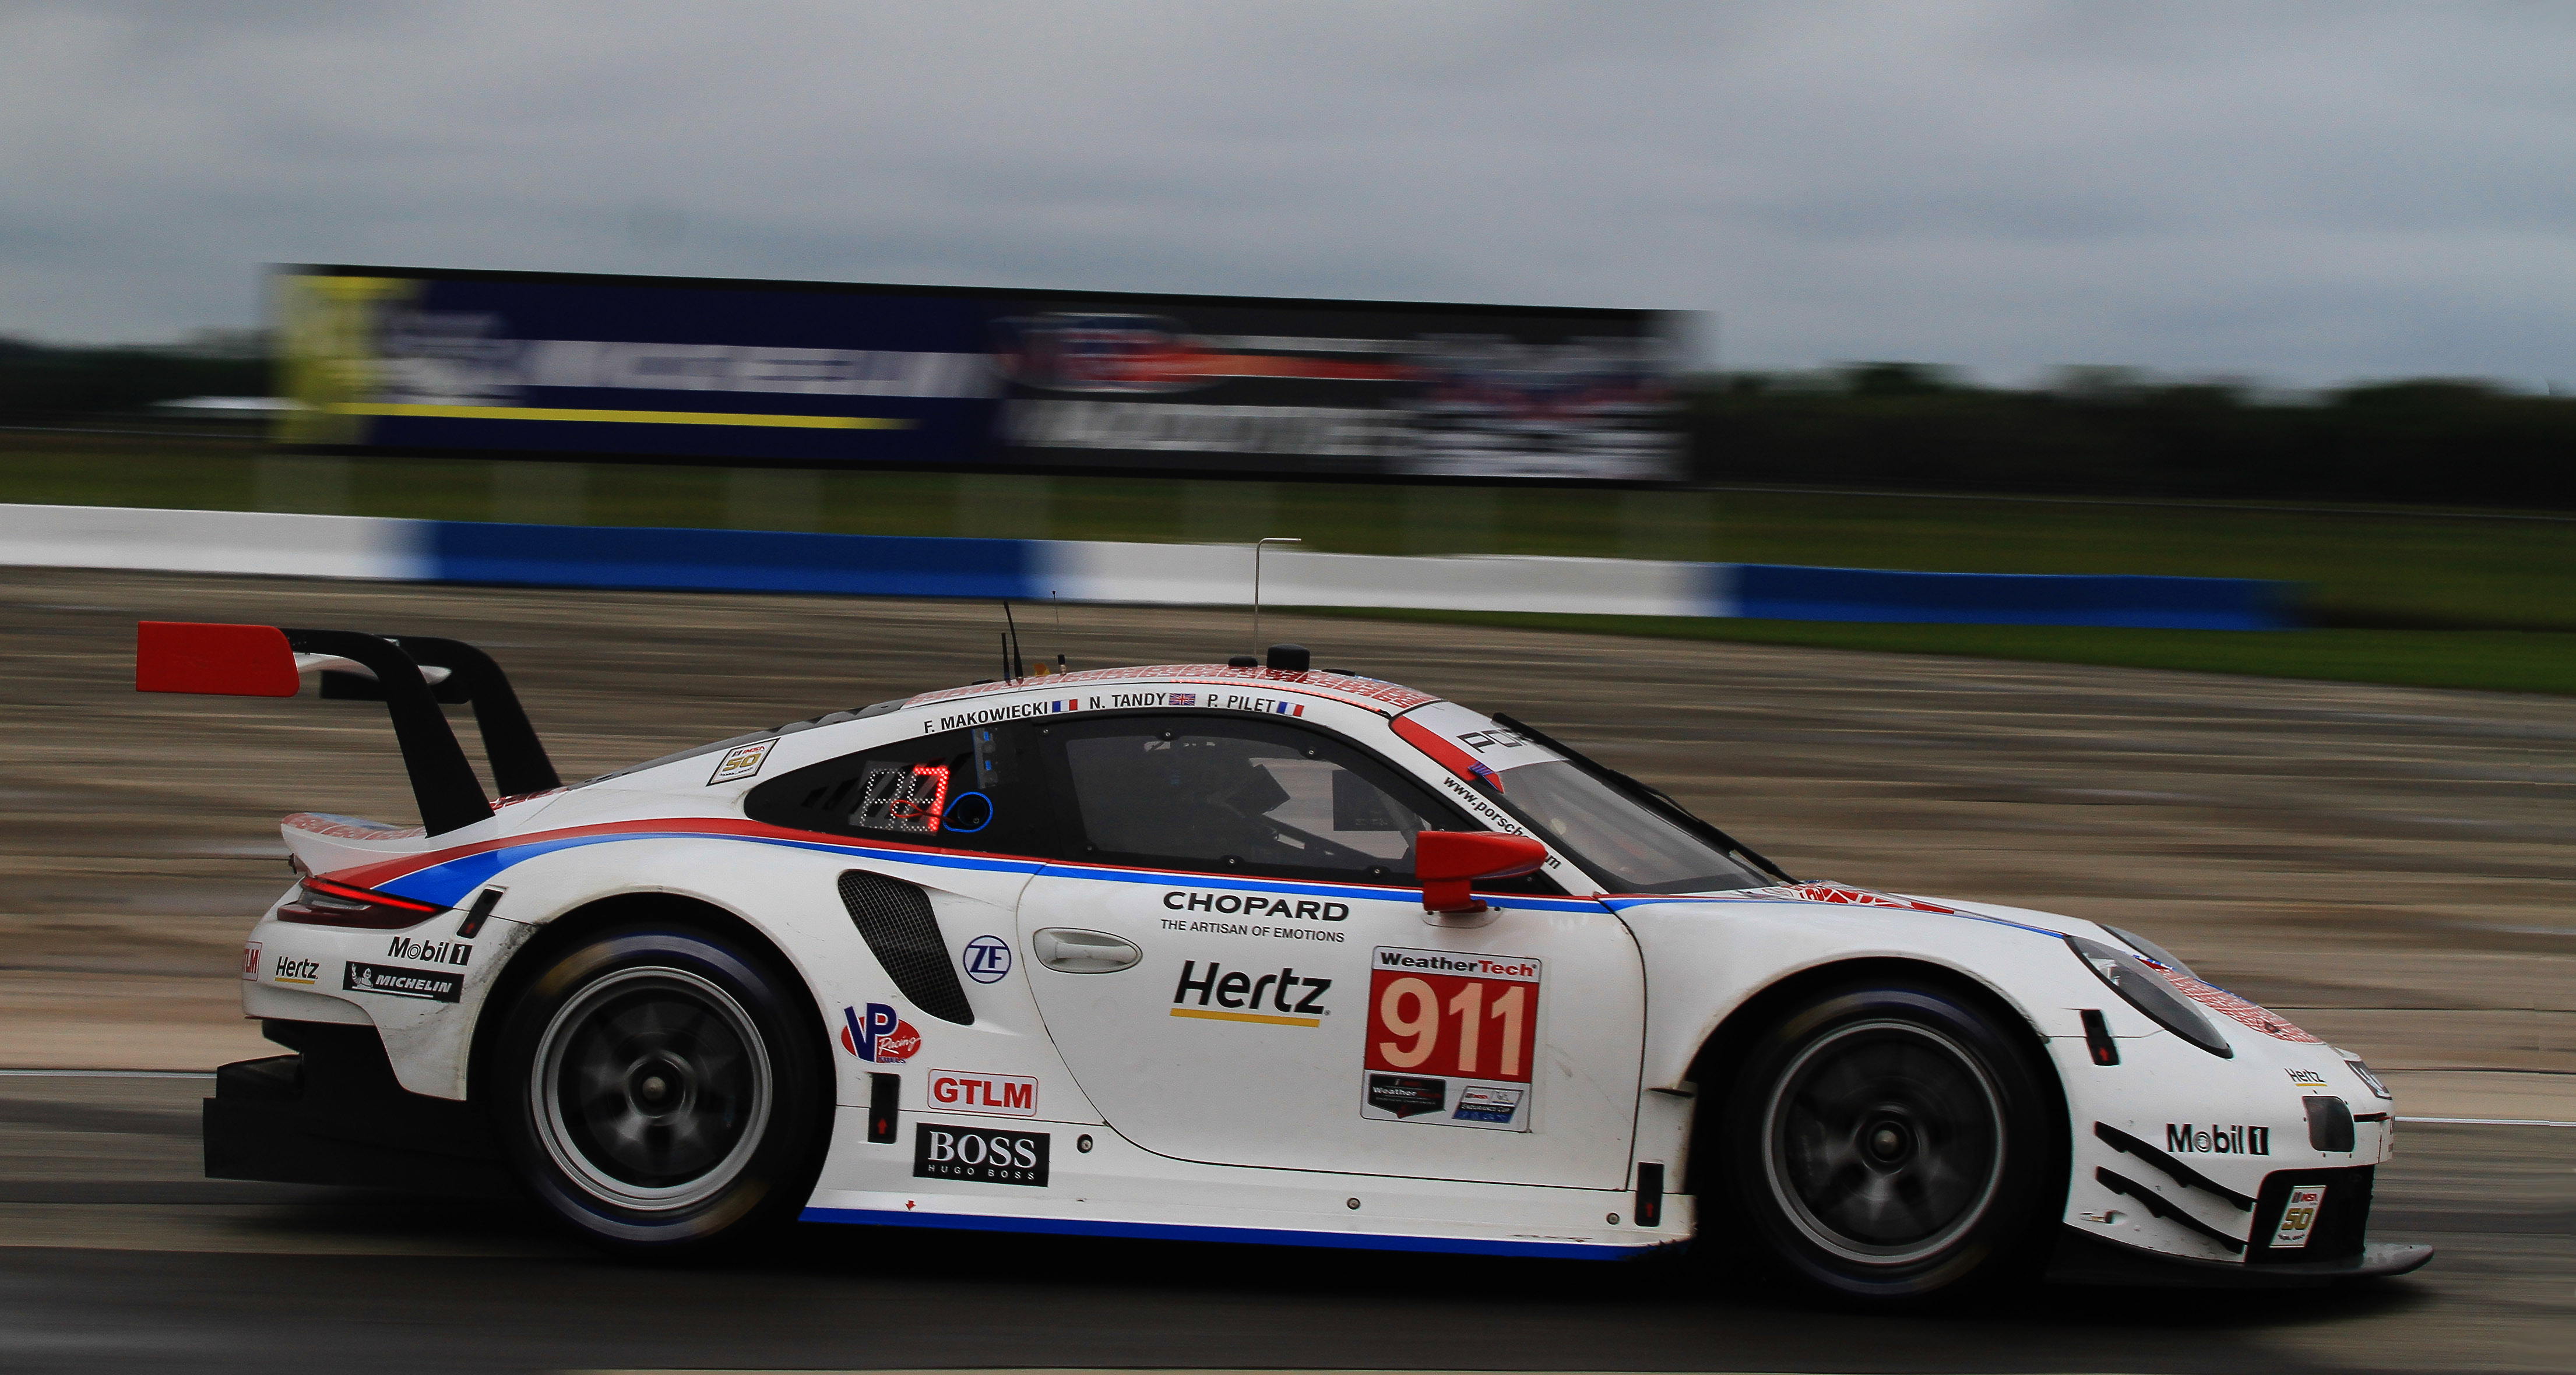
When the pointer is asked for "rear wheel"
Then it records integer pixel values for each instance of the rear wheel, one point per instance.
(1892, 1142)
(661, 1089)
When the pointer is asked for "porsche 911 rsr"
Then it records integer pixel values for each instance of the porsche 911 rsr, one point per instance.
(1242, 952)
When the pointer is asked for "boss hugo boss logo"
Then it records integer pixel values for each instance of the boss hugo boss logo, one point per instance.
(429, 952)
(1256, 904)
(1282, 999)
(2217, 1140)
(979, 1156)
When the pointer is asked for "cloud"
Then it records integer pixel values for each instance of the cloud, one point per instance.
(2292, 191)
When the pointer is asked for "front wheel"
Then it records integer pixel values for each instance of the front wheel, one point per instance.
(1891, 1142)
(660, 1089)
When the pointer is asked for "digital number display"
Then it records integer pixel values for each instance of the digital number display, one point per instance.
(906, 798)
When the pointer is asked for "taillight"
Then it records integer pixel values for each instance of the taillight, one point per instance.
(321, 902)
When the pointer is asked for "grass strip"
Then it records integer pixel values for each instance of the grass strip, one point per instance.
(2490, 660)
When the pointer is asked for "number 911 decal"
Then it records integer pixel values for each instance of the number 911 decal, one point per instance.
(1451, 1038)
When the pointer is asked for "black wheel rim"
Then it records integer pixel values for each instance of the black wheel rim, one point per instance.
(1884, 1142)
(651, 1089)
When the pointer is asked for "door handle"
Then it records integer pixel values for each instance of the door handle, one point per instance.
(1068, 951)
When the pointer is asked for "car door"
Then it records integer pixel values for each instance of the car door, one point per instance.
(1237, 969)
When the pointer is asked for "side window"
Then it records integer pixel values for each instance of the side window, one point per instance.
(962, 789)
(1231, 796)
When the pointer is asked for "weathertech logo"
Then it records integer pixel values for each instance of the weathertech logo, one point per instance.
(2218, 1140)
(1280, 999)
(1442, 962)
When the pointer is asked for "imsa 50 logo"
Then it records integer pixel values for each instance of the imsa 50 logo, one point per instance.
(979, 1156)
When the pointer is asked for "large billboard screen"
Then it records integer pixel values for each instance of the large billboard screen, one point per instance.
(403, 360)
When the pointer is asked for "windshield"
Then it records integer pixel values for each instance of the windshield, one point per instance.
(1624, 843)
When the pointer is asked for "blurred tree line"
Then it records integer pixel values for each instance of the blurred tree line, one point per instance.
(2116, 432)
(40, 382)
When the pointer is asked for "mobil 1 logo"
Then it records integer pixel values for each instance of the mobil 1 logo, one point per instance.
(979, 1155)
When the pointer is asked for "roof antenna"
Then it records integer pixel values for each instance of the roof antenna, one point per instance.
(1011, 646)
(1257, 547)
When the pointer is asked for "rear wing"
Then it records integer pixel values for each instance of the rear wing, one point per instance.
(410, 674)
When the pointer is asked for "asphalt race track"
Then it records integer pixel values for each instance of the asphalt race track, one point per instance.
(2390, 867)
(115, 1255)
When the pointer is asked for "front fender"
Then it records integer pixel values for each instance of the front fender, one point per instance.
(2171, 1146)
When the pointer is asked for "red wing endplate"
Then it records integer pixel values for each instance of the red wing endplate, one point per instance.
(226, 660)
(269, 661)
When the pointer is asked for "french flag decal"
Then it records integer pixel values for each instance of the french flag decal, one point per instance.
(1285, 709)
(1484, 774)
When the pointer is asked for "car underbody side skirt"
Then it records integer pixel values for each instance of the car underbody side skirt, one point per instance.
(2083, 1258)
(333, 1114)
(1259, 1236)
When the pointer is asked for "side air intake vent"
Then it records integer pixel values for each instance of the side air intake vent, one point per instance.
(896, 919)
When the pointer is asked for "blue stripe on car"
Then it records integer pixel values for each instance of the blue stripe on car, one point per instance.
(1168, 1231)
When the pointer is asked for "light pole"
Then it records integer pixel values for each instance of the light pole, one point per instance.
(1257, 547)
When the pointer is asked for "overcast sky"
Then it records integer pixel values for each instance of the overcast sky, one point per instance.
(2298, 192)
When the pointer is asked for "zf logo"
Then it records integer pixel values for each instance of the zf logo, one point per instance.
(988, 958)
(979, 1156)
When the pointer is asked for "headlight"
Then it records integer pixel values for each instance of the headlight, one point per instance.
(2141, 987)
(2362, 1071)
(2149, 949)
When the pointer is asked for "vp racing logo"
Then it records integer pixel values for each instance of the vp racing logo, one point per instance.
(879, 1036)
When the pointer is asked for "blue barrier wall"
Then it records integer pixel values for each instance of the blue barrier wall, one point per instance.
(1790, 592)
(730, 560)
(1138, 574)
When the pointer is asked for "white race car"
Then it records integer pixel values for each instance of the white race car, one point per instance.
(1243, 952)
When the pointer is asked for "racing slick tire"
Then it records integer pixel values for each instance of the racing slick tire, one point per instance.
(660, 1089)
(1892, 1141)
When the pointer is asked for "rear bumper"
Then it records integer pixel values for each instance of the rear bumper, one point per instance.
(333, 1114)
(2083, 1258)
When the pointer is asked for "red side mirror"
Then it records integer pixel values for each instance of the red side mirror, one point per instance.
(231, 660)
(1448, 861)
